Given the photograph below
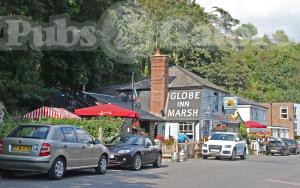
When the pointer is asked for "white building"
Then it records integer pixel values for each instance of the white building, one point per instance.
(252, 111)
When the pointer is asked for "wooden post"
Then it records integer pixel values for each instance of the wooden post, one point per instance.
(100, 134)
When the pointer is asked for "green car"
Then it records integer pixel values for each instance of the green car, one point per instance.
(51, 148)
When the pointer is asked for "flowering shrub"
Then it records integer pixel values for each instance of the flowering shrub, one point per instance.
(220, 128)
(170, 141)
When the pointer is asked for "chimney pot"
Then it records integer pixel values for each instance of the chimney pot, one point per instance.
(157, 51)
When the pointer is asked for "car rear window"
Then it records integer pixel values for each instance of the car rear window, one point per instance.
(37, 132)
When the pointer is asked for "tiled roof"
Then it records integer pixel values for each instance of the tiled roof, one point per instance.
(242, 101)
(178, 78)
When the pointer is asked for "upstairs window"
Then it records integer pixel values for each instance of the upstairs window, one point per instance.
(283, 113)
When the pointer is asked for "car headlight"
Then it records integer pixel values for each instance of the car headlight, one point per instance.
(205, 145)
(123, 151)
(228, 146)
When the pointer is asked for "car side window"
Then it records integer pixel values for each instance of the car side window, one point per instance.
(148, 141)
(58, 136)
(69, 134)
(83, 137)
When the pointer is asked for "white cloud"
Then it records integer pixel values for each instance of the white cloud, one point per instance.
(267, 15)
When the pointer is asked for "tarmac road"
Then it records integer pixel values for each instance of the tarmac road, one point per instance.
(258, 171)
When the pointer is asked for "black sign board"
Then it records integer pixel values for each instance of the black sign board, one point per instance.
(183, 105)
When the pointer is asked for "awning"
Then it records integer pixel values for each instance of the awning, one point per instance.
(107, 110)
(255, 124)
(50, 112)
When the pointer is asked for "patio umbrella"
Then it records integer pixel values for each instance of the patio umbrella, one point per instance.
(254, 124)
(50, 112)
(107, 110)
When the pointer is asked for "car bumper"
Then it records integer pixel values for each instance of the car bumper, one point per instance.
(24, 163)
(120, 159)
(222, 153)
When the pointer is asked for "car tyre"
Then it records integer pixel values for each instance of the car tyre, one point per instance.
(218, 158)
(233, 155)
(102, 165)
(204, 156)
(8, 173)
(58, 169)
(158, 161)
(244, 156)
(136, 162)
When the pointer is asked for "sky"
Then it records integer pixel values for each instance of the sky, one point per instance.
(267, 15)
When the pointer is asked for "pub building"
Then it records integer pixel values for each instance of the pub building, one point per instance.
(171, 101)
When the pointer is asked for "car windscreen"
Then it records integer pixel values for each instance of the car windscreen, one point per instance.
(276, 143)
(130, 140)
(31, 131)
(226, 137)
(289, 142)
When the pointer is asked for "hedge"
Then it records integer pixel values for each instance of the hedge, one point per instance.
(111, 126)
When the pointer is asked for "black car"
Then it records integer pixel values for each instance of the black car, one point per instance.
(277, 147)
(134, 151)
(292, 144)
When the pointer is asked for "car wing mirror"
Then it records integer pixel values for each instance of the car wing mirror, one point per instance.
(148, 145)
(97, 141)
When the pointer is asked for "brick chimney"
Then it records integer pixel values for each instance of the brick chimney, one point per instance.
(159, 82)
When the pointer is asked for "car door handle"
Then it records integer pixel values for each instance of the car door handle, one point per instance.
(65, 146)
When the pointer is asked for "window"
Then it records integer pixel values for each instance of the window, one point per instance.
(58, 136)
(283, 113)
(83, 137)
(69, 134)
(216, 102)
(186, 128)
(31, 131)
(148, 141)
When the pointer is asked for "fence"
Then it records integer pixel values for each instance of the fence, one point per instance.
(188, 149)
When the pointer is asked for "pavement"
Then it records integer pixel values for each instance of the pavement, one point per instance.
(258, 171)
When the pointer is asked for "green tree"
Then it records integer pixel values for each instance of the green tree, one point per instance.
(280, 37)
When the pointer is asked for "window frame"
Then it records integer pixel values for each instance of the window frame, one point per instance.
(287, 112)
(187, 130)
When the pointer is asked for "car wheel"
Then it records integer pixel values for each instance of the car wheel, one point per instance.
(244, 156)
(157, 163)
(136, 162)
(218, 158)
(204, 156)
(233, 155)
(58, 169)
(8, 173)
(102, 165)
(272, 154)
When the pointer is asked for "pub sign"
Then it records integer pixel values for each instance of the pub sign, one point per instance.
(183, 105)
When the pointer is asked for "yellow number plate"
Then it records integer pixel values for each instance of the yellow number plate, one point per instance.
(21, 148)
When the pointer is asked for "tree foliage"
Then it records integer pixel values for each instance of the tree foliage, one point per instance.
(206, 43)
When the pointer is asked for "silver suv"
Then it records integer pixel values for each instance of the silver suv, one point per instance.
(51, 148)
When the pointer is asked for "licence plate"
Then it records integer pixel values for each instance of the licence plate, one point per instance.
(21, 148)
(273, 150)
(214, 150)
